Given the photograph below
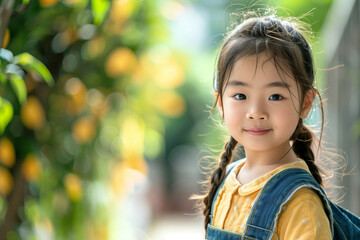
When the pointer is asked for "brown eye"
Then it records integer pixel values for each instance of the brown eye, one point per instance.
(240, 96)
(276, 97)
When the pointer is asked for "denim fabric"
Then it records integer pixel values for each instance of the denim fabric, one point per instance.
(277, 191)
(346, 224)
(214, 233)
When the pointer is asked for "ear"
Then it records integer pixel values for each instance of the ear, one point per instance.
(219, 103)
(308, 101)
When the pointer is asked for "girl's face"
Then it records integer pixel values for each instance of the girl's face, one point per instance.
(261, 109)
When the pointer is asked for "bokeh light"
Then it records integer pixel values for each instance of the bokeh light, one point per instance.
(113, 149)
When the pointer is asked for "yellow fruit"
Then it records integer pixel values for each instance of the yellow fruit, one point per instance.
(136, 162)
(144, 69)
(169, 74)
(77, 91)
(133, 133)
(6, 181)
(132, 144)
(124, 178)
(122, 10)
(32, 114)
(7, 152)
(117, 178)
(31, 168)
(96, 230)
(83, 130)
(120, 61)
(170, 104)
(47, 3)
(6, 38)
(73, 186)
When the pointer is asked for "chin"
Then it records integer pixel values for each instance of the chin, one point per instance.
(259, 148)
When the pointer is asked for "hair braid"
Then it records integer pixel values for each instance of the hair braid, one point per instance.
(217, 177)
(302, 148)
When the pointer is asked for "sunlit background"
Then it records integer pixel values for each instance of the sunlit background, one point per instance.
(109, 145)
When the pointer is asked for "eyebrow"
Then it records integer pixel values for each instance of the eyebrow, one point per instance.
(272, 84)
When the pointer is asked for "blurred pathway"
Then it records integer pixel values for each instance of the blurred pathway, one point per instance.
(177, 227)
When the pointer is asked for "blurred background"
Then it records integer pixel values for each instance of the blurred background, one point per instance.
(104, 110)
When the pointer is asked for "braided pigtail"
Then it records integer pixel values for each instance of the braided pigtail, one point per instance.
(302, 147)
(217, 177)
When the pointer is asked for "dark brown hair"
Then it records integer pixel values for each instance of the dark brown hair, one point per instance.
(287, 48)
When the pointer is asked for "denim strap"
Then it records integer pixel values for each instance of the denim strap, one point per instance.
(229, 168)
(275, 193)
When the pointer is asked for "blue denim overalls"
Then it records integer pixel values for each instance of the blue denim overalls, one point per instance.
(264, 213)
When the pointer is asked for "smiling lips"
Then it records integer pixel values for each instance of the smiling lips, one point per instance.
(257, 131)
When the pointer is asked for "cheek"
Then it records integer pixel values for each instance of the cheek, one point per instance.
(287, 120)
(233, 114)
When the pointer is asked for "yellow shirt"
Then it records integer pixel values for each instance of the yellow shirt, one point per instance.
(302, 217)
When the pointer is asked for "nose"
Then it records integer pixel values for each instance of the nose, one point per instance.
(257, 114)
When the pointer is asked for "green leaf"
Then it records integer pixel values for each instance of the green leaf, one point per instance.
(30, 63)
(3, 78)
(6, 55)
(100, 9)
(6, 114)
(25, 1)
(19, 87)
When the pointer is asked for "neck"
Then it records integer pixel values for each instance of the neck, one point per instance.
(274, 157)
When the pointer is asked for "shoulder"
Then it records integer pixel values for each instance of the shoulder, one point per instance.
(304, 217)
(305, 195)
(305, 200)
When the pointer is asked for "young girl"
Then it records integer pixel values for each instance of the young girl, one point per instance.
(264, 90)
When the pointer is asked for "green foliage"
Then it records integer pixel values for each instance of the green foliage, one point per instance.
(312, 12)
(100, 9)
(6, 113)
(19, 86)
(30, 63)
(88, 133)
(12, 71)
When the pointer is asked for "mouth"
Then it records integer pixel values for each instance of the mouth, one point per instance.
(257, 131)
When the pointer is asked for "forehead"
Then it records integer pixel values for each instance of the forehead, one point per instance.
(261, 68)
